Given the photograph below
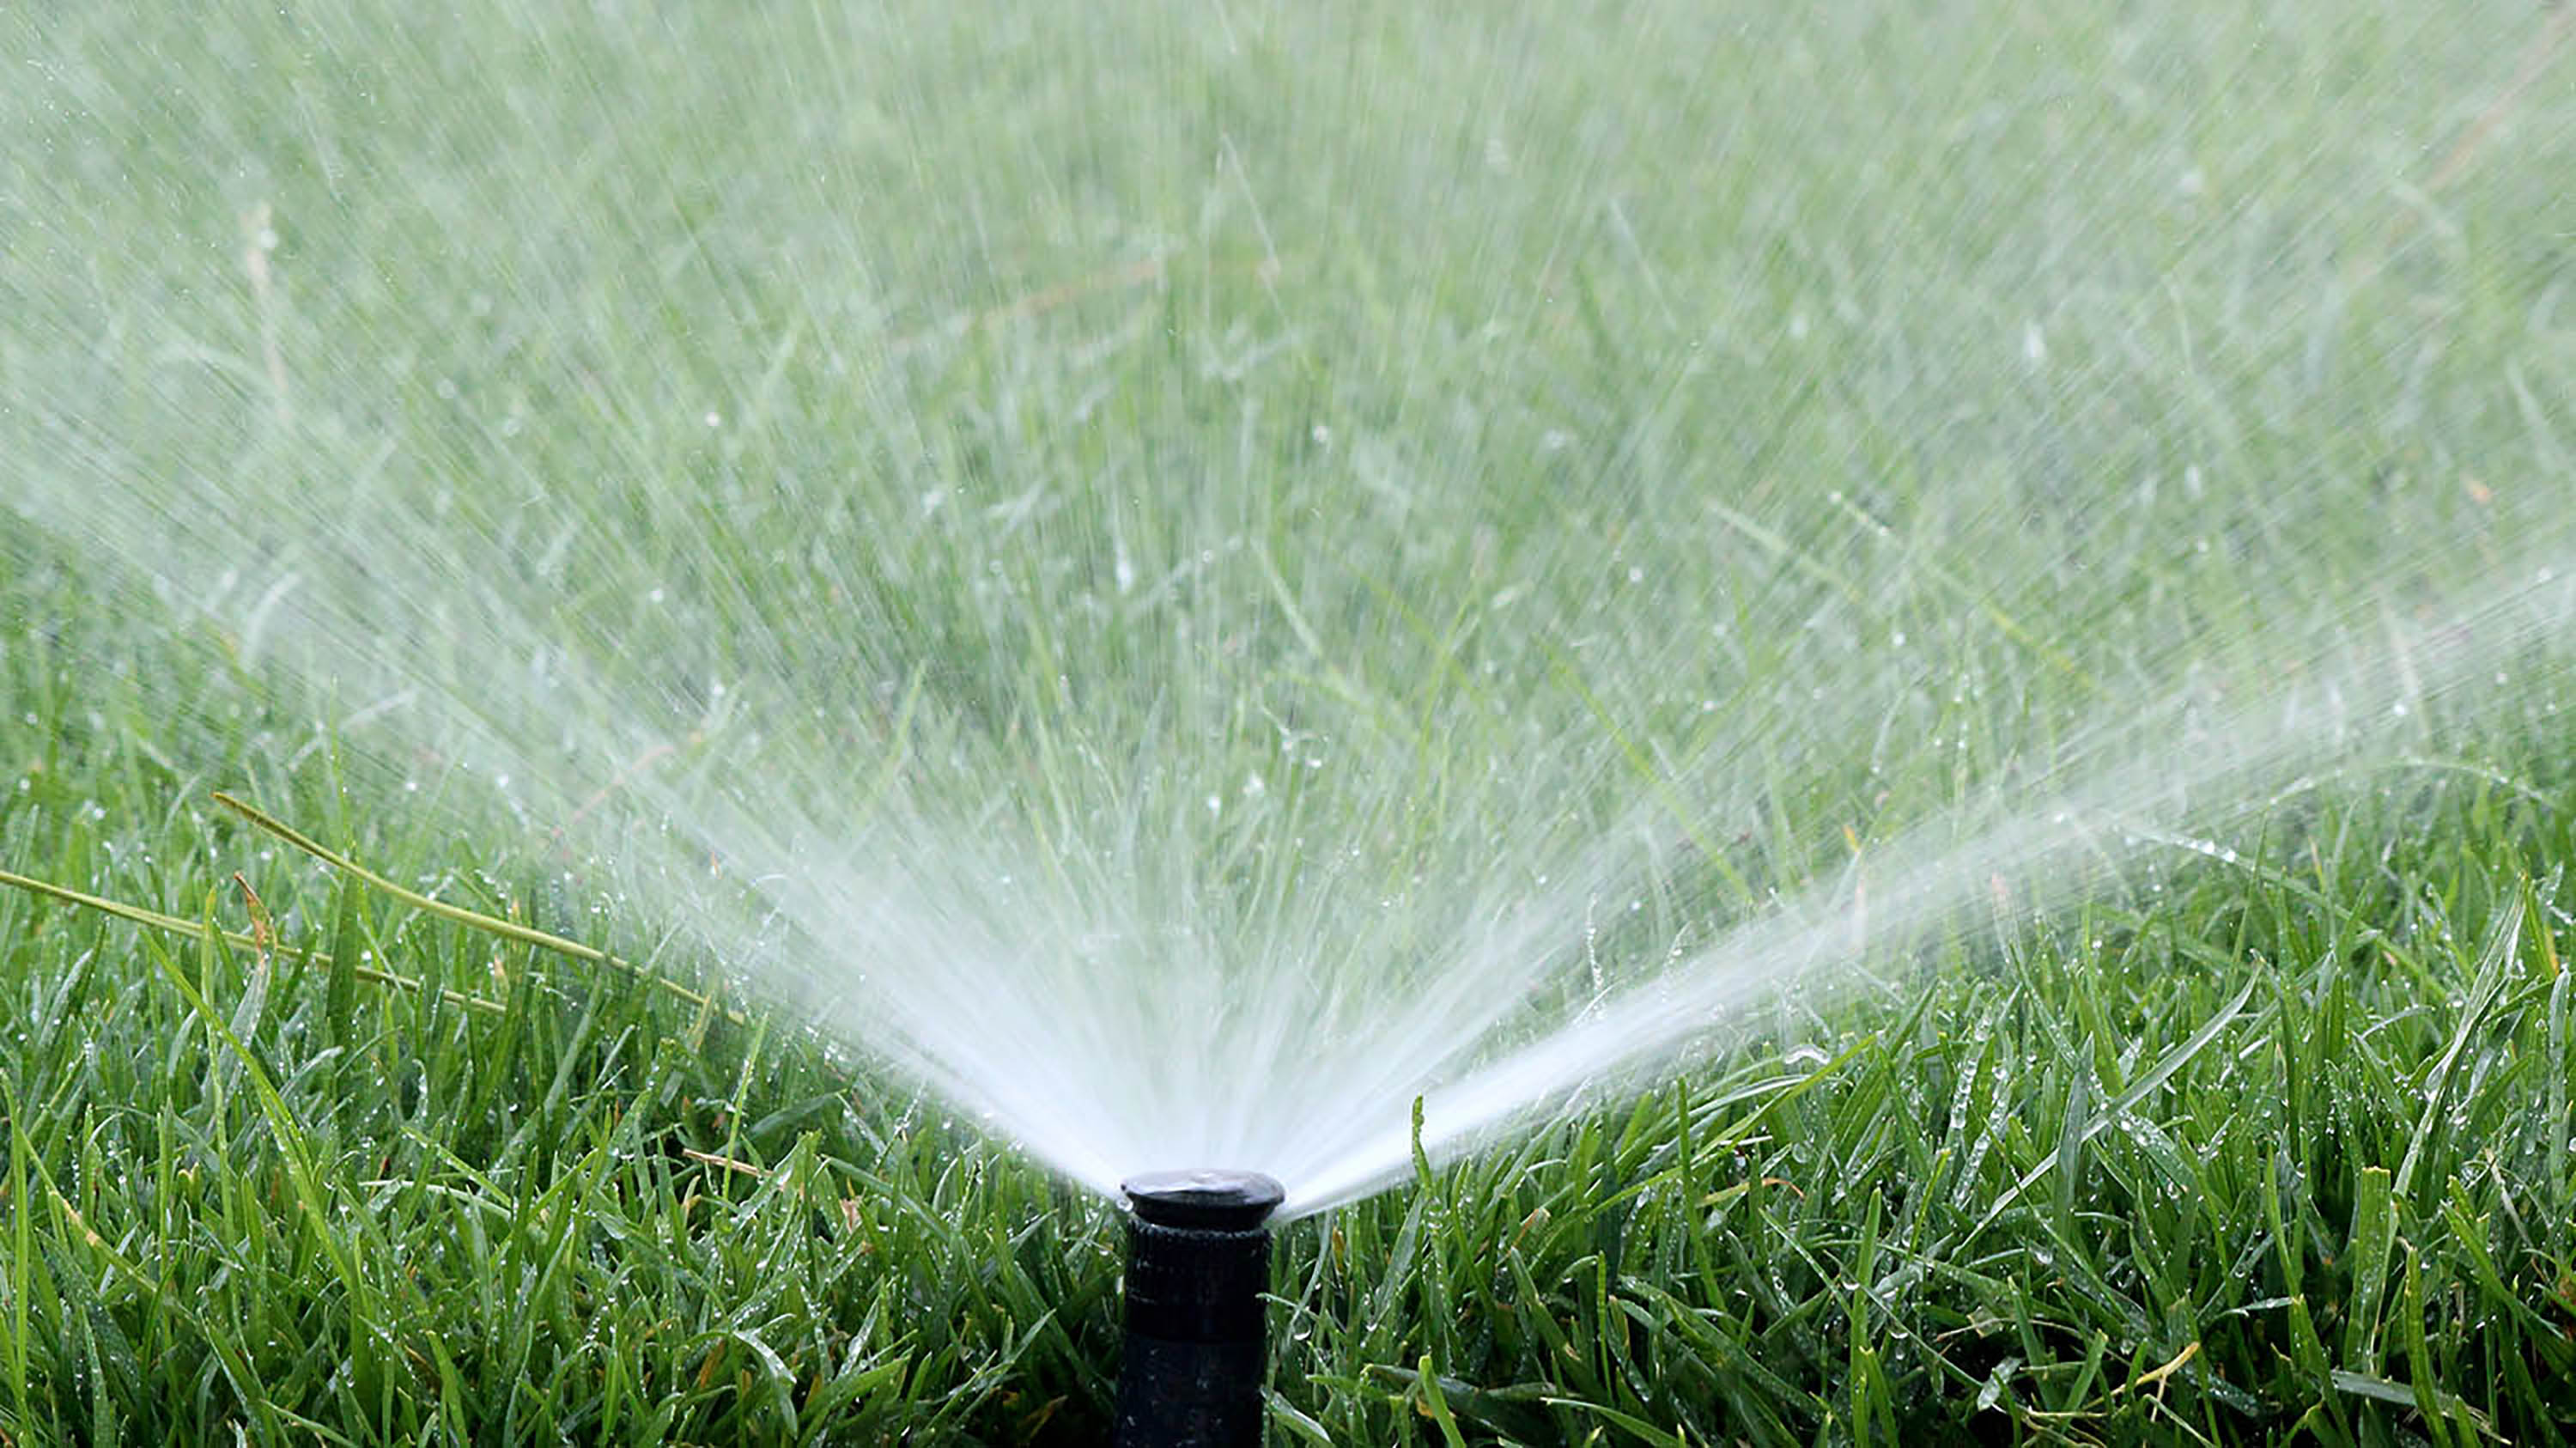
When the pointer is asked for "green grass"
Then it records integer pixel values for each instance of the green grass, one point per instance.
(1390, 350)
(2286, 1154)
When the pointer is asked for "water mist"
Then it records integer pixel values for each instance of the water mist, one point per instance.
(1186, 581)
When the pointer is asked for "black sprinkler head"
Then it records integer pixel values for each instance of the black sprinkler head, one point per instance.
(1224, 1201)
(1198, 1260)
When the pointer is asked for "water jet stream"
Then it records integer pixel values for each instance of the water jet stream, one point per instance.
(2046, 841)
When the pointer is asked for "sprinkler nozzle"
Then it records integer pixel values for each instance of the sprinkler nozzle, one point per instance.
(1198, 1260)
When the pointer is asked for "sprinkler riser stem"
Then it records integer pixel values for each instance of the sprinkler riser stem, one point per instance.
(1196, 1342)
(1198, 1262)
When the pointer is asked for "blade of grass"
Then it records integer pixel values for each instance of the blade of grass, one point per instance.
(472, 919)
(154, 919)
(2492, 963)
(2373, 1228)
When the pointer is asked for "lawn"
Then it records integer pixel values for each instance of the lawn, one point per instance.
(1137, 533)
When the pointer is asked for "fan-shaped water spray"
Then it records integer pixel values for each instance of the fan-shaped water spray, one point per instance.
(1189, 582)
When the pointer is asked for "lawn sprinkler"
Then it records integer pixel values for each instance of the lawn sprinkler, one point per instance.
(1198, 1260)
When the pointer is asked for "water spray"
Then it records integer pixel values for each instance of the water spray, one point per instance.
(1198, 1260)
